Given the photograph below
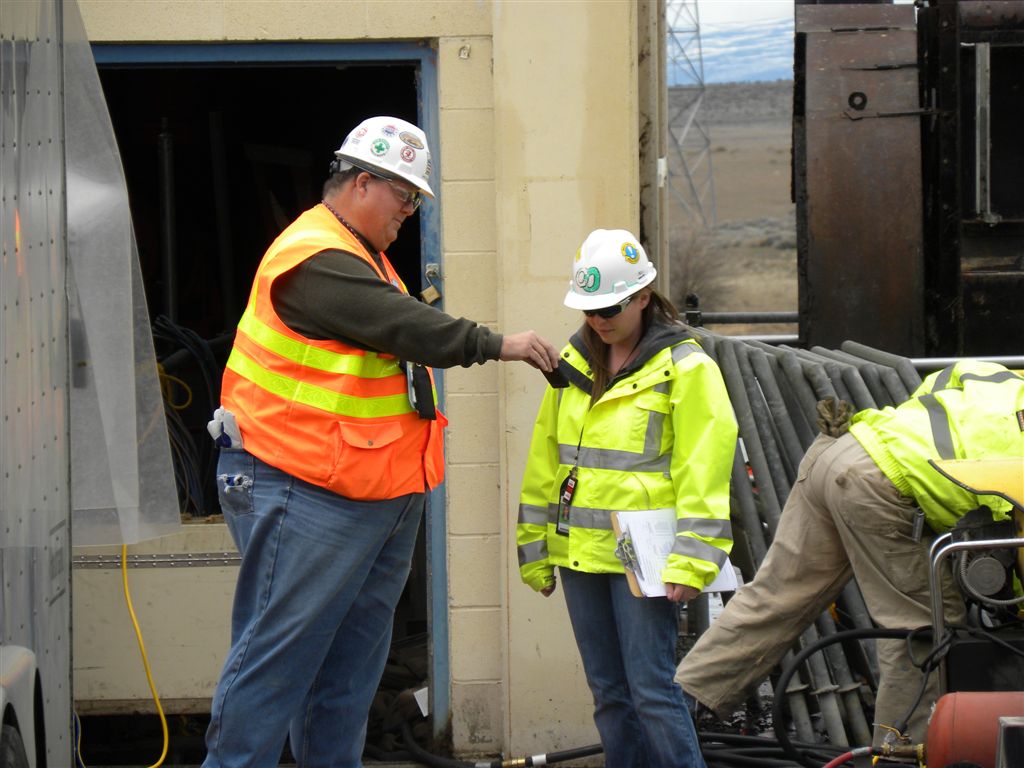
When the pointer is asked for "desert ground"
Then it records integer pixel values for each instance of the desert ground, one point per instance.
(744, 258)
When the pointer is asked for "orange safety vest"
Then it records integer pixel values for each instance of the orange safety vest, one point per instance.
(324, 411)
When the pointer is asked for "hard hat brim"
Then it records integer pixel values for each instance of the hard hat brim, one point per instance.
(362, 165)
(574, 300)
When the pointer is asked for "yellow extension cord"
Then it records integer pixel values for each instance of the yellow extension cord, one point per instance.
(166, 382)
(145, 660)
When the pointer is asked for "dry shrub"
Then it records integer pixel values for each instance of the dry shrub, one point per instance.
(694, 268)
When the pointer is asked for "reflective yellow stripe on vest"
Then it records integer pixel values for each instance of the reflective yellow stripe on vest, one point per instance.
(368, 366)
(317, 397)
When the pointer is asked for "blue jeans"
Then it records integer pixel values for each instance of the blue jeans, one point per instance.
(313, 610)
(628, 648)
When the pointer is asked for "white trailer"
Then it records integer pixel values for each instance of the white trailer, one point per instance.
(84, 455)
(35, 498)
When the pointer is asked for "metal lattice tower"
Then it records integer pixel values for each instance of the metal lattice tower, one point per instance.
(690, 178)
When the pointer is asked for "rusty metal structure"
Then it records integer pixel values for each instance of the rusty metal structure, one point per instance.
(906, 175)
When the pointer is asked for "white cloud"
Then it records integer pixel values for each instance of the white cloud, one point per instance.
(740, 40)
(758, 49)
(742, 11)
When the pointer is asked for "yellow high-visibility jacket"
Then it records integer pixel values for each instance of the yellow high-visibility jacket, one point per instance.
(663, 435)
(970, 410)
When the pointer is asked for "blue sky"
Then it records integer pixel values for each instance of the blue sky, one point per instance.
(745, 40)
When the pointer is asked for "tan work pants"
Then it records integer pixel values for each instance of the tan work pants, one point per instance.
(842, 517)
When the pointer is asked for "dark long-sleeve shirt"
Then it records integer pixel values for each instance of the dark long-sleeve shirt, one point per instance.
(336, 295)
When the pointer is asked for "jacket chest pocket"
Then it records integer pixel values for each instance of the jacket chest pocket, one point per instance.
(651, 420)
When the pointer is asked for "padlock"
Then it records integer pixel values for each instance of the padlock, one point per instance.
(430, 294)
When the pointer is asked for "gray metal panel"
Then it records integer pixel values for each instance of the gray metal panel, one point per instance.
(34, 492)
(861, 262)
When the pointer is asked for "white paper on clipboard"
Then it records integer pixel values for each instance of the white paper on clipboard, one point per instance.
(653, 532)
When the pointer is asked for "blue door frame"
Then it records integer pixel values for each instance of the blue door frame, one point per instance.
(424, 58)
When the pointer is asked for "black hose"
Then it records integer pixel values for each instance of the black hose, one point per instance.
(569, 754)
(427, 758)
(777, 714)
(731, 750)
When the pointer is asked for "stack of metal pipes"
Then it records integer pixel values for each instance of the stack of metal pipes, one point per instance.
(775, 391)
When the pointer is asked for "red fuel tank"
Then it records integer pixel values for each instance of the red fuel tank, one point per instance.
(965, 726)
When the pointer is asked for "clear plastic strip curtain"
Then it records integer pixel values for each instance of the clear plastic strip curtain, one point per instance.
(123, 487)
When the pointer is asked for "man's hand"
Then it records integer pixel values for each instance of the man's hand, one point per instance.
(549, 590)
(530, 348)
(680, 593)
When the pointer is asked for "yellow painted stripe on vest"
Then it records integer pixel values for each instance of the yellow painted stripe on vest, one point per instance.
(317, 397)
(367, 366)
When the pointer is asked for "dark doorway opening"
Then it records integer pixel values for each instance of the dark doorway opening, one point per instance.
(218, 159)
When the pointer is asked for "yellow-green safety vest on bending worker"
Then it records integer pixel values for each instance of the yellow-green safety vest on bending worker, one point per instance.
(970, 410)
(662, 436)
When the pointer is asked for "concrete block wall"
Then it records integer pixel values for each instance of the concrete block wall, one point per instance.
(474, 493)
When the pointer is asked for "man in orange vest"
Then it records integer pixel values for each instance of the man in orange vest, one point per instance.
(330, 438)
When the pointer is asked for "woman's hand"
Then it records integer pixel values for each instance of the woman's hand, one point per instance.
(680, 593)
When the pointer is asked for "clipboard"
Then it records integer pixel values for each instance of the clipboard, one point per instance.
(644, 539)
(624, 555)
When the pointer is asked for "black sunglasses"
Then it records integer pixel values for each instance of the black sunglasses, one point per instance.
(609, 312)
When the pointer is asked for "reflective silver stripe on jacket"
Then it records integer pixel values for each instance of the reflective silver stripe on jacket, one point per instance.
(946, 375)
(623, 461)
(533, 515)
(585, 517)
(709, 528)
(942, 435)
(682, 350)
(687, 546)
(994, 378)
(939, 420)
(650, 460)
(533, 552)
(601, 520)
(943, 379)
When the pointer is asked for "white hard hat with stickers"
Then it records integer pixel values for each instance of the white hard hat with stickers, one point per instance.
(609, 266)
(389, 147)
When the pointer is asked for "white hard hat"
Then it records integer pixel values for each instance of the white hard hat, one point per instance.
(609, 266)
(390, 147)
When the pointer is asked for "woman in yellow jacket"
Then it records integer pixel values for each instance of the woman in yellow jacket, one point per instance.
(645, 423)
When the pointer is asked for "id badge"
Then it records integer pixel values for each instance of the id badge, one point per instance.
(565, 495)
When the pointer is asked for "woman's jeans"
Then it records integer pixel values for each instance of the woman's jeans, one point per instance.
(311, 624)
(628, 648)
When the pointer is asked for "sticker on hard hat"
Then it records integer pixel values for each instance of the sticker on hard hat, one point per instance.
(631, 253)
(588, 279)
(411, 139)
(389, 130)
(380, 147)
(408, 154)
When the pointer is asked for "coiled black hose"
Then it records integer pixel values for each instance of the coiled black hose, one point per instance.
(778, 719)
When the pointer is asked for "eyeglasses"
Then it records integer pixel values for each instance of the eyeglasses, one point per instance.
(402, 194)
(609, 312)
